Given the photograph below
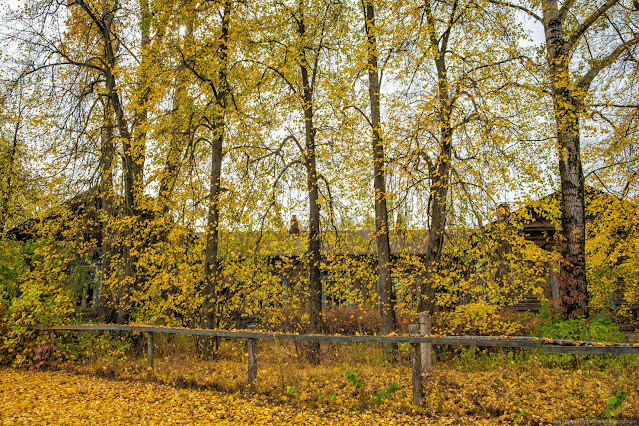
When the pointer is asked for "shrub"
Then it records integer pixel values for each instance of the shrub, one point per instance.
(32, 292)
(348, 320)
(18, 345)
(478, 318)
(600, 329)
(337, 320)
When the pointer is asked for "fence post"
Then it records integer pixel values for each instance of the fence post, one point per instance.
(251, 345)
(149, 347)
(52, 339)
(425, 328)
(415, 358)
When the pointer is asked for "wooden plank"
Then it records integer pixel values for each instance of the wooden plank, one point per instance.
(443, 340)
(251, 345)
(149, 349)
(426, 349)
(416, 363)
(512, 342)
(107, 327)
(489, 343)
(52, 339)
(591, 349)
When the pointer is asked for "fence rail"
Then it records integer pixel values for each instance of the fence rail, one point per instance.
(418, 343)
(551, 345)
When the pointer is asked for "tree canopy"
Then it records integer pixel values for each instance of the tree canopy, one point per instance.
(191, 136)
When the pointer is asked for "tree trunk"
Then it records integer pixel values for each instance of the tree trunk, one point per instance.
(314, 279)
(439, 205)
(107, 194)
(387, 294)
(128, 252)
(567, 108)
(136, 153)
(211, 271)
(6, 194)
(440, 178)
(180, 134)
(210, 305)
(133, 147)
(572, 278)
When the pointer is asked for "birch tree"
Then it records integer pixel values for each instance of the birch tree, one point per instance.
(582, 39)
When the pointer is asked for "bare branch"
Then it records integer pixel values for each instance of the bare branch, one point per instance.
(361, 112)
(449, 27)
(586, 80)
(518, 7)
(581, 29)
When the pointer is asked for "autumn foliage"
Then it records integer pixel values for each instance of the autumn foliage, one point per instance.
(321, 166)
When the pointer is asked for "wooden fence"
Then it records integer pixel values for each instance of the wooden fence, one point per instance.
(420, 343)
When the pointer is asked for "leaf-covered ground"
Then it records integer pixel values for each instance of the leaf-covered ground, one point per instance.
(497, 396)
(53, 397)
(104, 382)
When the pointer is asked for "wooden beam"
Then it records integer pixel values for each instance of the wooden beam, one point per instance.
(416, 362)
(425, 328)
(590, 350)
(251, 346)
(149, 348)
(550, 345)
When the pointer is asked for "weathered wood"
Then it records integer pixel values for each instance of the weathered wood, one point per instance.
(52, 339)
(251, 346)
(591, 349)
(442, 340)
(418, 392)
(149, 349)
(557, 345)
(426, 349)
(252, 363)
(415, 358)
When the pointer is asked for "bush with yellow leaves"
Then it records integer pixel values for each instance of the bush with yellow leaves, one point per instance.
(479, 318)
(35, 296)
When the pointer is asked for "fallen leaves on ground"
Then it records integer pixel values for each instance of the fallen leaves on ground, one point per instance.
(499, 396)
(55, 397)
(183, 389)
